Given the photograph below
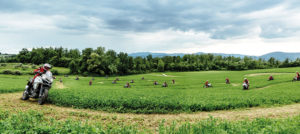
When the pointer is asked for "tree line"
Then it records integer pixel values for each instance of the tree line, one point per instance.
(108, 62)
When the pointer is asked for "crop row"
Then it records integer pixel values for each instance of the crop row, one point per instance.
(175, 101)
(35, 122)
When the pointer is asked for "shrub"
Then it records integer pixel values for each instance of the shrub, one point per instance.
(3, 65)
(7, 72)
(55, 72)
(33, 66)
(18, 66)
(24, 67)
(85, 74)
(17, 73)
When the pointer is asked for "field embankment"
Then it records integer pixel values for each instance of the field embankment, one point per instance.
(12, 104)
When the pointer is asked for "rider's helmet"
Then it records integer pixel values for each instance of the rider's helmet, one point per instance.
(47, 66)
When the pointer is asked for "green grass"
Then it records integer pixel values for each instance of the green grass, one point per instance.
(35, 122)
(10, 83)
(215, 126)
(187, 95)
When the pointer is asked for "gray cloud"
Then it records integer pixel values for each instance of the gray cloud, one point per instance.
(219, 19)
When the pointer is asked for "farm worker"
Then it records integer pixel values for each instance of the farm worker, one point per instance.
(165, 84)
(173, 81)
(206, 84)
(271, 78)
(298, 75)
(127, 85)
(90, 83)
(227, 81)
(246, 81)
(114, 82)
(155, 83)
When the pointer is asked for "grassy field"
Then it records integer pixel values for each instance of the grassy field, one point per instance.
(9, 83)
(186, 95)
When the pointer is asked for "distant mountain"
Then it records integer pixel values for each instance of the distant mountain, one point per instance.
(277, 55)
(281, 56)
(145, 54)
(7, 55)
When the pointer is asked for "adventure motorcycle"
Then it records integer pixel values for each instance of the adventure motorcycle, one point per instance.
(39, 88)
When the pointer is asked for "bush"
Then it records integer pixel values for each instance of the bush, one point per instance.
(33, 66)
(24, 67)
(85, 74)
(17, 73)
(55, 72)
(18, 66)
(3, 65)
(7, 72)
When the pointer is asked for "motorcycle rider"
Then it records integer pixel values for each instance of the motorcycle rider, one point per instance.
(38, 72)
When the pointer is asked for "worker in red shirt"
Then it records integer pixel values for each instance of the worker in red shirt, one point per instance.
(207, 84)
(227, 81)
(246, 81)
(271, 78)
(298, 76)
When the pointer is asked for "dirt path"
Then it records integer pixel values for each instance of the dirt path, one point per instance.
(13, 103)
(59, 85)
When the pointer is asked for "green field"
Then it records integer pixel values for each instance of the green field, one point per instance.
(186, 95)
(9, 83)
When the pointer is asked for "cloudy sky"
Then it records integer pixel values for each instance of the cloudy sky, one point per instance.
(252, 27)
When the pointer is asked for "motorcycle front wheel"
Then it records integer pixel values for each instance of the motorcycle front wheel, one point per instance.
(25, 95)
(43, 98)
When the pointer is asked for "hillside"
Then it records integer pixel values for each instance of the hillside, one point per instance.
(277, 55)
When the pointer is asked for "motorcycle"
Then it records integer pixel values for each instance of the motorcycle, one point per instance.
(42, 84)
(245, 86)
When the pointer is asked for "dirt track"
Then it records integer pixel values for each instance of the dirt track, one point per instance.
(13, 103)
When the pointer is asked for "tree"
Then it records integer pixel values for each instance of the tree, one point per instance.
(161, 66)
(74, 68)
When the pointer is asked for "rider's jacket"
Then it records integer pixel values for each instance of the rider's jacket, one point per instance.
(38, 72)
